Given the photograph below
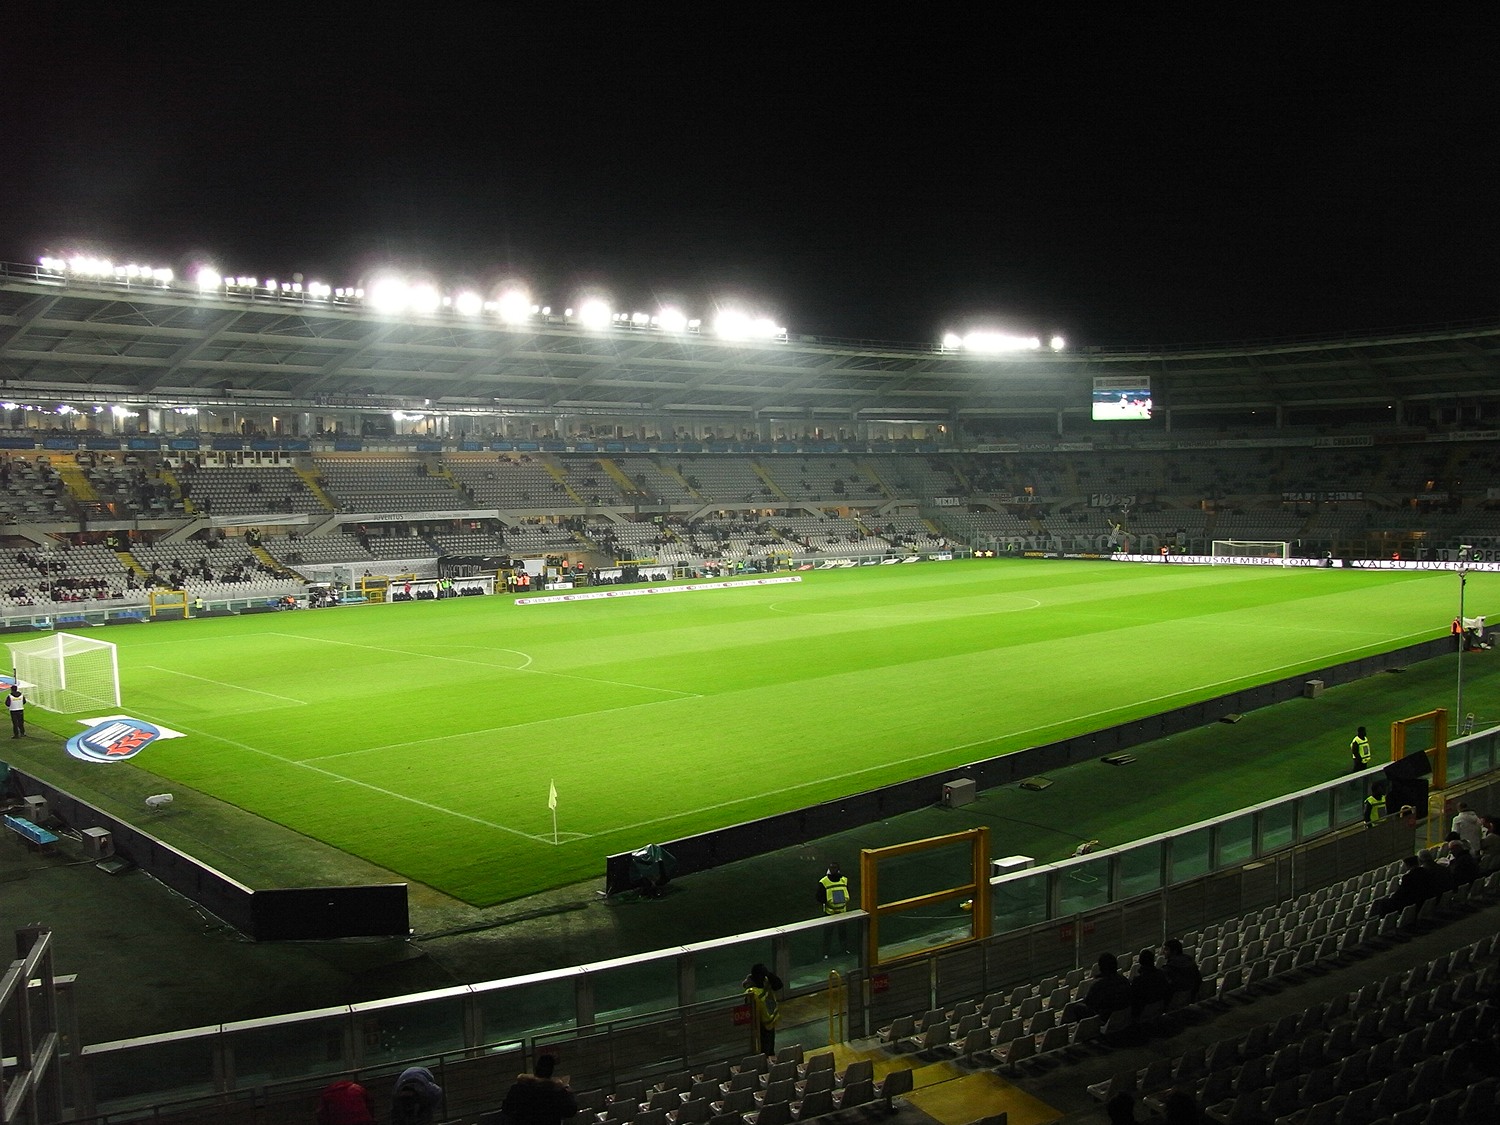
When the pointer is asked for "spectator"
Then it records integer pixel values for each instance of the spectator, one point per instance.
(345, 1103)
(1439, 878)
(539, 1098)
(1181, 969)
(1148, 984)
(417, 1098)
(1489, 848)
(1415, 887)
(1460, 861)
(1467, 825)
(1121, 1109)
(1109, 993)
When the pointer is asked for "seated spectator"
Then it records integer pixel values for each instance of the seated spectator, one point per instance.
(1148, 984)
(417, 1099)
(1439, 877)
(345, 1103)
(1181, 969)
(539, 1098)
(1415, 887)
(1489, 848)
(1461, 864)
(1109, 993)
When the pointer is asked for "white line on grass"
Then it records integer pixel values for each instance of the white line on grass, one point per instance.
(222, 684)
(536, 839)
(499, 668)
(874, 613)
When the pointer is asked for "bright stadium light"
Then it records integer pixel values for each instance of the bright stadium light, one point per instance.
(994, 343)
(953, 342)
(1057, 343)
(594, 313)
(207, 279)
(514, 306)
(424, 299)
(468, 303)
(732, 324)
(389, 295)
(671, 320)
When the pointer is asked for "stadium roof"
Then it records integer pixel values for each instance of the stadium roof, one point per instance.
(104, 341)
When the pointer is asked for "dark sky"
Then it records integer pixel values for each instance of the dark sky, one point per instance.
(1117, 177)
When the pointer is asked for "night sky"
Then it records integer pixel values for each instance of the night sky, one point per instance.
(1116, 177)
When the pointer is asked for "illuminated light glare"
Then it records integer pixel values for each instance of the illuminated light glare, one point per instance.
(640, 319)
(64, 408)
(671, 320)
(953, 341)
(403, 416)
(731, 324)
(594, 313)
(1057, 343)
(424, 299)
(124, 412)
(514, 306)
(190, 410)
(10, 406)
(389, 295)
(996, 342)
(468, 303)
(207, 279)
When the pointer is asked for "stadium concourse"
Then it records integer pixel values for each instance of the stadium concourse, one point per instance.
(149, 961)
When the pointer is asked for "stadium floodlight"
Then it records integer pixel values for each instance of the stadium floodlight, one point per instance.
(995, 343)
(953, 342)
(640, 320)
(594, 313)
(514, 306)
(1057, 343)
(671, 320)
(424, 299)
(389, 295)
(207, 279)
(732, 324)
(468, 303)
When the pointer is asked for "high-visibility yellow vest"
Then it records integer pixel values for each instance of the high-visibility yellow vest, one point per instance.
(835, 894)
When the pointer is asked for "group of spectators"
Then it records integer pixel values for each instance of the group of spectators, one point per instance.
(538, 1098)
(1151, 981)
(1471, 851)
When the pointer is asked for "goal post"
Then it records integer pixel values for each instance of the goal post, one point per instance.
(66, 672)
(1236, 550)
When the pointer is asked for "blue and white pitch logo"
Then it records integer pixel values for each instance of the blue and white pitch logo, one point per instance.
(115, 739)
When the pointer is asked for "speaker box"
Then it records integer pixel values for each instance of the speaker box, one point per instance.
(1413, 765)
(98, 843)
(960, 791)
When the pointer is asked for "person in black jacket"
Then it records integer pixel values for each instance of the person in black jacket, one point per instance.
(538, 1098)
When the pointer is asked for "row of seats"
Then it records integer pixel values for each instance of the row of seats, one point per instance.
(755, 1091)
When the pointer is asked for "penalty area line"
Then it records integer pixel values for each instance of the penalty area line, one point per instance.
(534, 838)
(222, 684)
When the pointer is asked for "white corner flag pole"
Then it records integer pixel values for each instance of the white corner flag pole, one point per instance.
(552, 804)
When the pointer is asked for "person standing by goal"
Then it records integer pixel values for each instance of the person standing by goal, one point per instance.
(15, 703)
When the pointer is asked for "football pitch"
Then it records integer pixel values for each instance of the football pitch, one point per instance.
(425, 737)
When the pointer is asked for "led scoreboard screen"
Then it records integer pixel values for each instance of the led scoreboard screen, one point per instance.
(1115, 399)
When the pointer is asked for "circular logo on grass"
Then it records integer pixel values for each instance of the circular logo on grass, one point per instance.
(113, 740)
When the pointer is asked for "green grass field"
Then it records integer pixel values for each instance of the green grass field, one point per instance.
(423, 736)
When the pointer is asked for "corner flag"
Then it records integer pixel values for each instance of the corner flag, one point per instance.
(552, 795)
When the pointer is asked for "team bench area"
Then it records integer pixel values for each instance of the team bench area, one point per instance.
(31, 833)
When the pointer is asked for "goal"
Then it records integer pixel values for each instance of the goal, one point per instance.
(67, 673)
(1250, 550)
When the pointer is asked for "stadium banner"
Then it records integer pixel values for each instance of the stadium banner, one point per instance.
(259, 518)
(646, 591)
(1466, 435)
(348, 445)
(947, 501)
(1111, 499)
(1421, 564)
(1320, 497)
(1235, 560)
(1348, 442)
(59, 443)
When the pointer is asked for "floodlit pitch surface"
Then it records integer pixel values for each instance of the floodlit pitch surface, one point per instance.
(423, 736)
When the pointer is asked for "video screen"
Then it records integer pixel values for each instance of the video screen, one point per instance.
(1116, 399)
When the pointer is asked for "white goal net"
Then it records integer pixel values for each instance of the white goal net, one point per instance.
(1250, 550)
(66, 672)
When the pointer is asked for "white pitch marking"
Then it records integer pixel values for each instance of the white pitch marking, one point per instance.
(536, 839)
(232, 687)
(486, 664)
